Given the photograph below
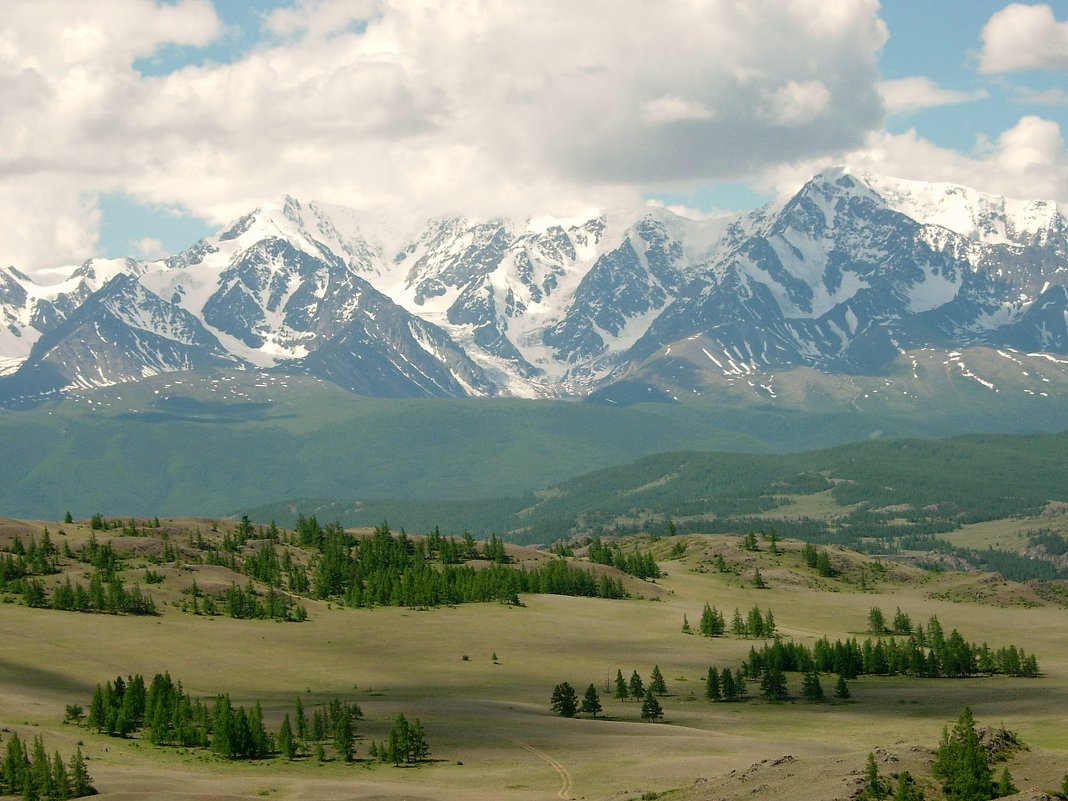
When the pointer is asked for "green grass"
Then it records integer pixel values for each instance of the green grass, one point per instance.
(483, 714)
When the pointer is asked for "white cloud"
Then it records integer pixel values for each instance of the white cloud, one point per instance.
(148, 248)
(797, 102)
(319, 17)
(1028, 160)
(473, 106)
(1053, 96)
(919, 92)
(672, 108)
(1024, 37)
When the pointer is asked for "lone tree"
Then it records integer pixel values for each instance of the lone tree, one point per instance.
(564, 701)
(651, 709)
(961, 762)
(841, 689)
(591, 702)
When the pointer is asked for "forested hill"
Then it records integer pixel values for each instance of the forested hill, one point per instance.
(896, 488)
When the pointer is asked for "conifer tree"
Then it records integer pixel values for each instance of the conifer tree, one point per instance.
(874, 789)
(591, 702)
(961, 762)
(773, 685)
(80, 781)
(621, 686)
(841, 689)
(285, 739)
(712, 686)
(564, 702)
(1005, 786)
(730, 689)
(651, 709)
(637, 686)
(301, 720)
(344, 737)
(656, 681)
(811, 689)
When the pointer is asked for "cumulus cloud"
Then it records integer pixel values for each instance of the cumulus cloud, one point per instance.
(918, 92)
(473, 106)
(1024, 37)
(1028, 160)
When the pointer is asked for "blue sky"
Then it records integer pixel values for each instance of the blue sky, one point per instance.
(139, 126)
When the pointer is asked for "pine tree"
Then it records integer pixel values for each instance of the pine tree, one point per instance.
(758, 580)
(418, 747)
(564, 702)
(60, 780)
(285, 739)
(876, 621)
(811, 689)
(301, 720)
(80, 781)
(686, 625)
(1005, 786)
(621, 686)
(344, 737)
(656, 681)
(961, 762)
(902, 623)
(730, 689)
(712, 686)
(591, 702)
(773, 685)
(841, 689)
(651, 709)
(637, 686)
(906, 789)
(874, 789)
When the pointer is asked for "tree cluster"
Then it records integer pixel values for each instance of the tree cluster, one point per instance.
(388, 570)
(818, 560)
(34, 775)
(407, 743)
(637, 563)
(723, 685)
(170, 716)
(929, 654)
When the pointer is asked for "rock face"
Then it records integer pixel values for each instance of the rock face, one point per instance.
(845, 277)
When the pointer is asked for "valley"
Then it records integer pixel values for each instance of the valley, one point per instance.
(479, 676)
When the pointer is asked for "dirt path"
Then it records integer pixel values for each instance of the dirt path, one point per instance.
(565, 774)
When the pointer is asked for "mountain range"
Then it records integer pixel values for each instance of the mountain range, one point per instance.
(855, 275)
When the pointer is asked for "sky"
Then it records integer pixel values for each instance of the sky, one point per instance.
(135, 127)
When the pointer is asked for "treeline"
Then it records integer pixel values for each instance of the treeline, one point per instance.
(32, 774)
(388, 570)
(928, 654)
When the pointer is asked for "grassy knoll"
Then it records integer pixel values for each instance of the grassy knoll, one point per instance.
(494, 717)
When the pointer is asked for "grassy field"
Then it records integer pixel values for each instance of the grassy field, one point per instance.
(489, 726)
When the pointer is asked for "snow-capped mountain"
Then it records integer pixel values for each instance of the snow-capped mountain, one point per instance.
(846, 276)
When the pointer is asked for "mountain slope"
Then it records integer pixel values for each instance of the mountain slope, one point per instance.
(847, 276)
